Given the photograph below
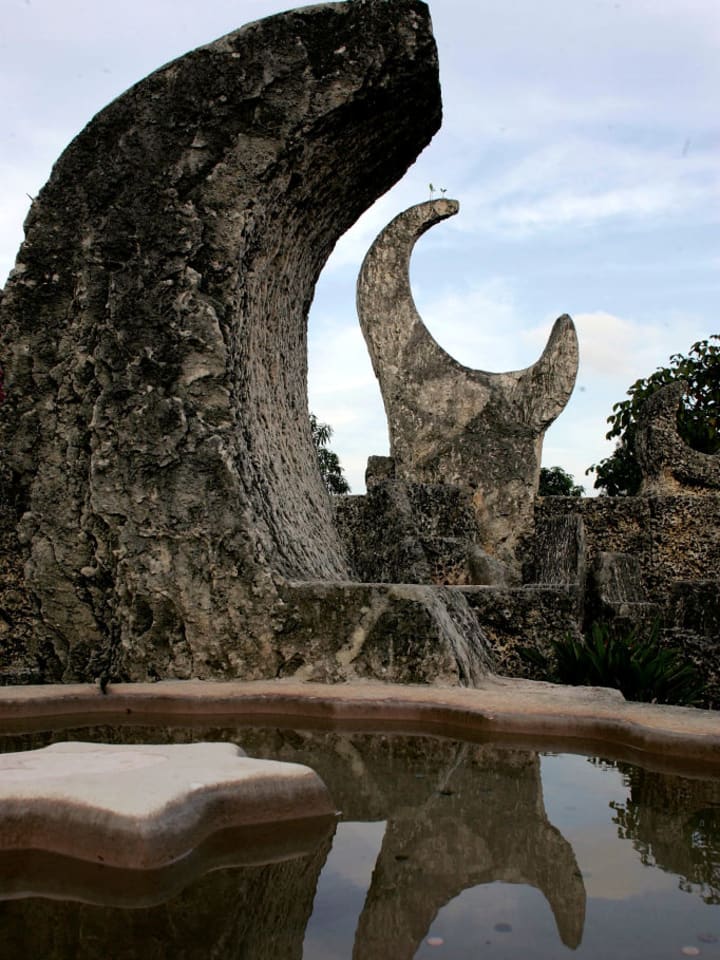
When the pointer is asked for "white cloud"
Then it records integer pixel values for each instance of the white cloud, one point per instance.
(622, 350)
(524, 70)
(13, 209)
(561, 209)
(614, 352)
(338, 360)
(343, 391)
(351, 248)
(474, 324)
(583, 182)
(574, 442)
(359, 429)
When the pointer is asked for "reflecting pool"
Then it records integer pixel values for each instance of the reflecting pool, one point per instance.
(443, 849)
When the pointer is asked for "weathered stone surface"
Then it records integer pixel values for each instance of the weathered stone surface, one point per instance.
(161, 513)
(617, 578)
(381, 537)
(692, 621)
(143, 808)
(677, 738)
(560, 551)
(447, 423)
(669, 466)
(671, 537)
(154, 345)
(615, 592)
(379, 469)
(685, 539)
(401, 633)
(531, 617)
(410, 533)
(18, 662)
(650, 559)
(610, 525)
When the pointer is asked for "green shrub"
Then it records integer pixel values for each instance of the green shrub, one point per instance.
(636, 664)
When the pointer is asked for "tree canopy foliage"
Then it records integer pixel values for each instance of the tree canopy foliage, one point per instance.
(698, 417)
(556, 482)
(328, 461)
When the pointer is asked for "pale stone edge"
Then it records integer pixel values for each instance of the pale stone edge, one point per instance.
(501, 706)
(239, 792)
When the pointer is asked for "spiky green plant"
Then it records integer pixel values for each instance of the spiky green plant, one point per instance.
(635, 663)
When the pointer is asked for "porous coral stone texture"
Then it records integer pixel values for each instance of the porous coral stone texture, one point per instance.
(153, 337)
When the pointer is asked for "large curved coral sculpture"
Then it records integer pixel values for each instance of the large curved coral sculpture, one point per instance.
(153, 336)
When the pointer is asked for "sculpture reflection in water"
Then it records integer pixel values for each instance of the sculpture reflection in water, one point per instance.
(259, 912)
(482, 821)
(674, 824)
(456, 816)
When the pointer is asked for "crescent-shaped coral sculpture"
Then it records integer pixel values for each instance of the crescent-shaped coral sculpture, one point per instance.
(448, 423)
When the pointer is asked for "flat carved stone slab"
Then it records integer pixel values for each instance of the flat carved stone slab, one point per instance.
(144, 807)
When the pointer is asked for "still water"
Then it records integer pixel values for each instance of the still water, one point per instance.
(444, 849)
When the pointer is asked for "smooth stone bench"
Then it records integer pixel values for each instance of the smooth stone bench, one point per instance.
(146, 807)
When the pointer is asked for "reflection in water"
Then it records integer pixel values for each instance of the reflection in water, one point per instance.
(458, 818)
(42, 873)
(674, 824)
(258, 913)
(482, 820)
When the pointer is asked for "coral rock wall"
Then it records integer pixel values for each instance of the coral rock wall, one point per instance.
(153, 337)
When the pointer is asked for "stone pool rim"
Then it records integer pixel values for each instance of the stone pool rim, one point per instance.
(542, 713)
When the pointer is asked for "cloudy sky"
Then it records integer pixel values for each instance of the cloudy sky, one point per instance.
(581, 137)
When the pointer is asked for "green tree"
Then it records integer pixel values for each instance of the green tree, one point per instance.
(328, 461)
(556, 482)
(698, 418)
